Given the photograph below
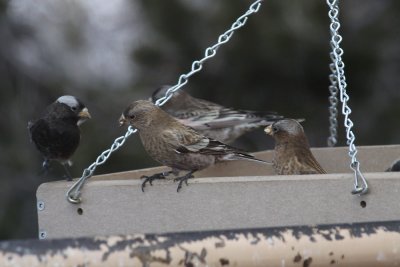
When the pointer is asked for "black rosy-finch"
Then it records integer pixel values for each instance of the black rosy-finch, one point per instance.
(395, 167)
(211, 119)
(174, 144)
(56, 133)
(292, 153)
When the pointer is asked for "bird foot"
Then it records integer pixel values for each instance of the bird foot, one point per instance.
(183, 179)
(67, 175)
(45, 168)
(150, 179)
(67, 178)
(46, 164)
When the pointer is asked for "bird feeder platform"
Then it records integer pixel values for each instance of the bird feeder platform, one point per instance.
(233, 195)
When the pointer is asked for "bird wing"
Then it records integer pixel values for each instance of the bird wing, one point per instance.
(215, 148)
(30, 125)
(184, 139)
(39, 133)
(227, 117)
(54, 141)
(310, 165)
(195, 109)
(198, 118)
(189, 141)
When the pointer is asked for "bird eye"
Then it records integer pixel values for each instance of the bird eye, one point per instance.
(275, 129)
(74, 108)
(131, 117)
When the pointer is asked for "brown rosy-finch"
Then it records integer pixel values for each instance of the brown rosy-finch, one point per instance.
(211, 119)
(292, 153)
(174, 144)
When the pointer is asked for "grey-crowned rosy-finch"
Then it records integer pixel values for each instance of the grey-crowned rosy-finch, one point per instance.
(56, 133)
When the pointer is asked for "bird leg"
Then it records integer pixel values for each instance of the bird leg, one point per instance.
(68, 174)
(45, 168)
(157, 176)
(184, 178)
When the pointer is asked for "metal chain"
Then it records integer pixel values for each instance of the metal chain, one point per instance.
(333, 99)
(210, 52)
(73, 194)
(340, 82)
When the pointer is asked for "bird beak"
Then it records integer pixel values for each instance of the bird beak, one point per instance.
(268, 130)
(84, 114)
(122, 120)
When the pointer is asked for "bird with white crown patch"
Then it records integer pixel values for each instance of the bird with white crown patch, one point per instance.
(56, 133)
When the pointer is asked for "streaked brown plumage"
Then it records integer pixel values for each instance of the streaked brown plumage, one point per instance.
(292, 151)
(175, 145)
(211, 119)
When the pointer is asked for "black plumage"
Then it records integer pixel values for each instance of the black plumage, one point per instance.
(395, 167)
(56, 134)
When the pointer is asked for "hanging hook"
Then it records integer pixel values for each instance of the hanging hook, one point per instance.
(73, 194)
(359, 190)
(338, 85)
(73, 199)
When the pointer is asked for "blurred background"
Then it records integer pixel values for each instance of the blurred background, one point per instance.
(109, 53)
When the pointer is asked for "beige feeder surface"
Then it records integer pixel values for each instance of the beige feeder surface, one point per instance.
(245, 195)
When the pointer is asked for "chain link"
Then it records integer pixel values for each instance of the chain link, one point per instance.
(73, 194)
(333, 99)
(210, 52)
(338, 81)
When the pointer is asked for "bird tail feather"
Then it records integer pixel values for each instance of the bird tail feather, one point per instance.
(241, 156)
